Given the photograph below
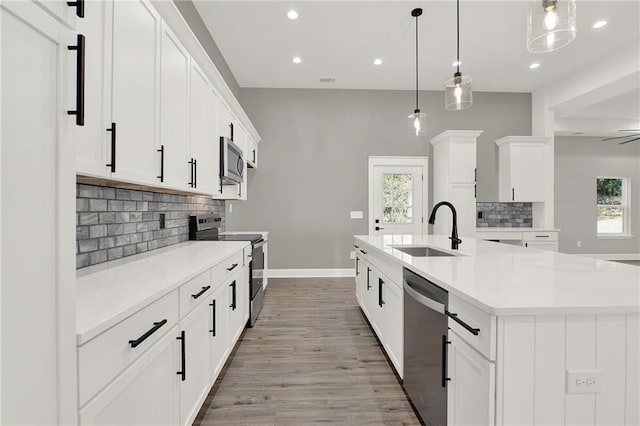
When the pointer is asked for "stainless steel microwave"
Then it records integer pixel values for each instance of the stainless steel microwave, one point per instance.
(231, 162)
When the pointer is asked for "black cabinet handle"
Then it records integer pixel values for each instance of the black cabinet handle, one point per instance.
(357, 262)
(201, 292)
(161, 151)
(474, 331)
(363, 252)
(513, 194)
(445, 361)
(195, 173)
(380, 301)
(368, 281)
(543, 236)
(356, 246)
(475, 191)
(112, 165)
(233, 296)
(213, 316)
(232, 267)
(156, 326)
(192, 182)
(183, 352)
(254, 156)
(79, 5)
(231, 131)
(80, 49)
(526, 244)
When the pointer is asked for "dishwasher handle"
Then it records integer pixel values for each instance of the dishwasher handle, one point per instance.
(424, 300)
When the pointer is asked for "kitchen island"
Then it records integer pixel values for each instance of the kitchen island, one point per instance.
(558, 334)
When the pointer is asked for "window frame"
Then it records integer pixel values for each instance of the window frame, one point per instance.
(625, 204)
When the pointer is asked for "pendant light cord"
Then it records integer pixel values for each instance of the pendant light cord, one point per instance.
(458, 35)
(417, 63)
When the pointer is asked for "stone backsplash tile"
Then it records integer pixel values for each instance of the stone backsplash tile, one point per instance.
(504, 215)
(112, 223)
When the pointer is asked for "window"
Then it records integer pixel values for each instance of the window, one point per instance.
(613, 206)
(397, 198)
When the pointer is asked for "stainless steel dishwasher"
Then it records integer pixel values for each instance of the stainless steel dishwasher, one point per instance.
(425, 347)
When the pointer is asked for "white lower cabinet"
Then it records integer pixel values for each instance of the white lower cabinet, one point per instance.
(146, 393)
(157, 367)
(471, 390)
(194, 372)
(393, 326)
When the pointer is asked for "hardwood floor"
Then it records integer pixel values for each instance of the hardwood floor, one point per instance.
(311, 358)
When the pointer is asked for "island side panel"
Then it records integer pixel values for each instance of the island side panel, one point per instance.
(535, 353)
(633, 370)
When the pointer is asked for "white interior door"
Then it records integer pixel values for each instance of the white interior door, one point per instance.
(397, 195)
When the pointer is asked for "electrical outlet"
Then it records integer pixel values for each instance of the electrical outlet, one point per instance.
(583, 381)
(162, 221)
(480, 214)
(356, 215)
(352, 255)
(578, 243)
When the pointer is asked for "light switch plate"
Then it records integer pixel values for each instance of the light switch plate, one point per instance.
(352, 255)
(584, 381)
(356, 215)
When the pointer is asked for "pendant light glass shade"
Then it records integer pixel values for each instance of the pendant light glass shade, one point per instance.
(551, 24)
(458, 93)
(417, 123)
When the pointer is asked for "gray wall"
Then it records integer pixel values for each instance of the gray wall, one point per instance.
(578, 162)
(193, 18)
(313, 161)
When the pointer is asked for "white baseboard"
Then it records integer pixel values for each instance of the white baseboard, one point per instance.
(613, 256)
(310, 273)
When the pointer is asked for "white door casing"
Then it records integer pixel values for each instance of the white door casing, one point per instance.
(416, 168)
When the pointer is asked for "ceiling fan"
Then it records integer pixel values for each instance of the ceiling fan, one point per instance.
(634, 135)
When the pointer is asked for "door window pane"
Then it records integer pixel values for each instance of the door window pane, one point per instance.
(397, 198)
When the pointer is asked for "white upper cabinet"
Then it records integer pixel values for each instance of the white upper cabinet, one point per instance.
(179, 170)
(135, 91)
(522, 169)
(203, 141)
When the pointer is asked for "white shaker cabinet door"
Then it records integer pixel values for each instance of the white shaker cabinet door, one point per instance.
(174, 112)
(219, 330)
(195, 377)
(393, 334)
(135, 91)
(203, 141)
(527, 172)
(146, 394)
(471, 390)
(37, 190)
(92, 139)
(238, 304)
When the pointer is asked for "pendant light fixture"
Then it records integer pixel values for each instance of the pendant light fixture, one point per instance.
(551, 25)
(457, 91)
(417, 120)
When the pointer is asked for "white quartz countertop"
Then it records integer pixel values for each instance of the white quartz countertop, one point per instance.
(502, 279)
(111, 293)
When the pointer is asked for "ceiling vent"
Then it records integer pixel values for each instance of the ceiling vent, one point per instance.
(327, 80)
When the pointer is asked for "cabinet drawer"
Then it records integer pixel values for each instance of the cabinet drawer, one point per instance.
(194, 291)
(485, 341)
(102, 358)
(226, 268)
(362, 252)
(539, 236)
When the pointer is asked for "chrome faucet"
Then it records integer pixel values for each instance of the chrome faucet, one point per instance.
(455, 241)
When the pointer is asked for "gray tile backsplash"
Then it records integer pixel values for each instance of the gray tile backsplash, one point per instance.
(112, 223)
(504, 215)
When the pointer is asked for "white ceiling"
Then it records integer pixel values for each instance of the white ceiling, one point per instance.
(340, 39)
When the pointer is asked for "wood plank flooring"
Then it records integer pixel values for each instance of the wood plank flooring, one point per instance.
(311, 358)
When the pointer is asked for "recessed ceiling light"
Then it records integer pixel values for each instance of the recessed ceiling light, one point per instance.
(456, 63)
(534, 65)
(377, 61)
(292, 14)
(296, 60)
(599, 24)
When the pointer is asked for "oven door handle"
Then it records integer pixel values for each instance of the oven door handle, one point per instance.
(424, 300)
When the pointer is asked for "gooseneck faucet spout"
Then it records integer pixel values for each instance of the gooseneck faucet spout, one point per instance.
(455, 241)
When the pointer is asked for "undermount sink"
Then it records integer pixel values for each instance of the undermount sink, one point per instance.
(423, 251)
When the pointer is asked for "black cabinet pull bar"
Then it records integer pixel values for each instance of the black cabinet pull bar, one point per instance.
(156, 326)
(380, 301)
(368, 281)
(79, 5)
(357, 270)
(233, 296)
(201, 292)
(161, 151)
(183, 352)
(474, 331)
(195, 173)
(192, 182)
(213, 316)
(112, 165)
(363, 252)
(80, 49)
(232, 267)
(445, 361)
